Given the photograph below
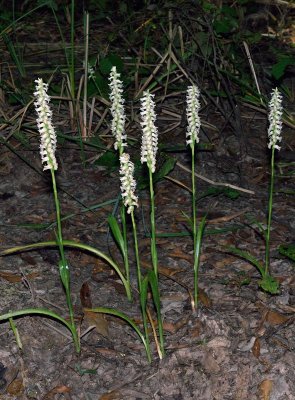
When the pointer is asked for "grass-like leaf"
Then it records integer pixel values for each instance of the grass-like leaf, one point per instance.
(36, 311)
(267, 283)
(116, 313)
(68, 243)
(118, 236)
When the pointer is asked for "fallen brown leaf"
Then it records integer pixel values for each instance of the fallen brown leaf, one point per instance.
(204, 298)
(99, 321)
(225, 261)
(265, 388)
(256, 348)
(179, 253)
(114, 395)
(85, 295)
(16, 388)
(57, 390)
(168, 272)
(13, 278)
(275, 318)
(174, 327)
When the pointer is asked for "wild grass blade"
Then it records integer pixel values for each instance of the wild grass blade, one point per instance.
(69, 243)
(198, 244)
(116, 313)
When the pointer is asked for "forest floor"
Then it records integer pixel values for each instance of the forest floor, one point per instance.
(239, 344)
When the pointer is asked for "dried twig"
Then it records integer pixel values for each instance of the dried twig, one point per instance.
(203, 178)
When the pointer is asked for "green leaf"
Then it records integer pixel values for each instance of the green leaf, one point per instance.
(269, 284)
(112, 60)
(109, 159)
(64, 274)
(38, 311)
(165, 169)
(153, 281)
(200, 232)
(69, 243)
(16, 333)
(288, 250)
(279, 68)
(231, 193)
(247, 256)
(124, 317)
(144, 292)
(116, 231)
(189, 220)
(215, 191)
(98, 85)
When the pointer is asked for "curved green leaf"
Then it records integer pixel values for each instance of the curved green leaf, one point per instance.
(116, 313)
(69, 243)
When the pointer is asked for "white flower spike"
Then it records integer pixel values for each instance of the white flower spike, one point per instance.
(275, 119)
(128, 183)
(192, 112)
(45, 127)
(117, 110)
(149, 145)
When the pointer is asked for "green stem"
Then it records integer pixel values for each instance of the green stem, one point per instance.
(153, 226)
(124, 227)
(125, 255)
(72, 70)
(64, 268)
(194, 227)
(270, 202)
(139, 278)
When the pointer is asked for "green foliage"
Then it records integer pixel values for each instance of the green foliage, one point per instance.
(288, 250)
(152, 281)
(226, 20)
(109, 159)
(216, 191)
(116, 231)
(278, 70)
(267, 283)
(124, 317)
(166, 166)
(98, 84)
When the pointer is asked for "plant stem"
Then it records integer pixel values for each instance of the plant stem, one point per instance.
(125, 256)
(64, 268)
(194, 228)
(139, 278)
(270, 202)
(72, 70)
(153, 227)
(124, 226)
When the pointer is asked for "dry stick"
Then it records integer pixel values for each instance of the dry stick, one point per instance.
(91, 115)
(78, 110)
(71, 103)
(150, 78)
(171, 128)
(264, 111)
(170, 38)
(203, 178)
(129, 46)
(252, 69)
(84, 127)
(102, 118)
(154, 333)
(180, 34)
